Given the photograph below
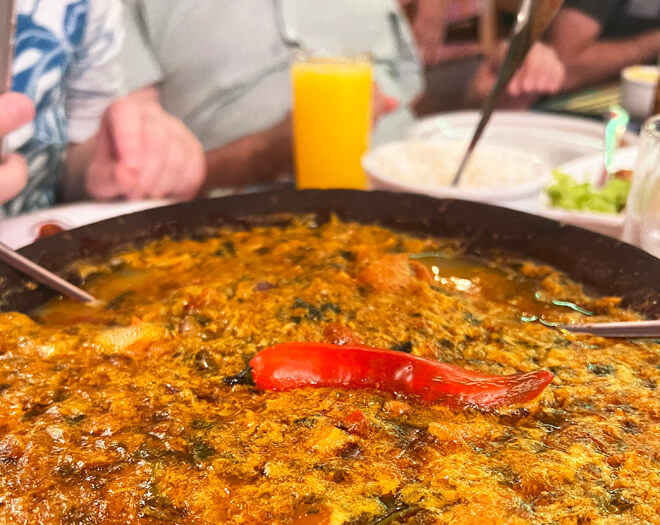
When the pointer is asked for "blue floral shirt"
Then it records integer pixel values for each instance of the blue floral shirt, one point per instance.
(66, 61)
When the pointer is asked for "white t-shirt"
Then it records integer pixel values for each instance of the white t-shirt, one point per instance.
(223, 66)
(66, 61)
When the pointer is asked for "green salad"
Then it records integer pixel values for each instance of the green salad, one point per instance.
(569, 194)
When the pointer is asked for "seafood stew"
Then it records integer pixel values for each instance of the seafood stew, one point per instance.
(122, 414)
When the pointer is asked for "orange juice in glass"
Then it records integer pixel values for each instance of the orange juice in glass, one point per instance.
(331, 120)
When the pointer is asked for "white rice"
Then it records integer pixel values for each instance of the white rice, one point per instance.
(431, 162)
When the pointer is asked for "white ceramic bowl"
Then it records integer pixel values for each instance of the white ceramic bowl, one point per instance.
(638, 86)
(588, 169)
(497, 174)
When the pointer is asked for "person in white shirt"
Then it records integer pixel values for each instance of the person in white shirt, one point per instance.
(224, 71)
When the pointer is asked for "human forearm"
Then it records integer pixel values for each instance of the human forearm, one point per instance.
(604, 59)
(256, 158)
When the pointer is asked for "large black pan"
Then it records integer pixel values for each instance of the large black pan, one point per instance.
(605, 266)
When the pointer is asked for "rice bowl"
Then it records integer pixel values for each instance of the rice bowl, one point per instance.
(493, 174)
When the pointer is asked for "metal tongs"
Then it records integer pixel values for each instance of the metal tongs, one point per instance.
(9, 256)
(532, 20)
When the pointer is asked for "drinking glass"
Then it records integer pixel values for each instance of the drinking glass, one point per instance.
(332, 111)
(642, 223)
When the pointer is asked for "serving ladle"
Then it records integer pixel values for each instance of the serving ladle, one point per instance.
(533, 18)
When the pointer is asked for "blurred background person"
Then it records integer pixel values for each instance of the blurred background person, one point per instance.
(431, 20)
(453, 36)
(596, 39)
(225, 73)
(590, 41)
(77, 140)
(428, 20)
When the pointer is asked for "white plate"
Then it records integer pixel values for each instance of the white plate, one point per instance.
(556, 139)
(24, 229)
(588, 169)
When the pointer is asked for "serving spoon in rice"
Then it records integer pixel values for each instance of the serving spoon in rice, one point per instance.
(532, 20)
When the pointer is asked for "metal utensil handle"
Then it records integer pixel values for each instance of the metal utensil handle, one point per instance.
(40, 274)
(630, 329)
(7, 31)
(533, 18)
(519, 44)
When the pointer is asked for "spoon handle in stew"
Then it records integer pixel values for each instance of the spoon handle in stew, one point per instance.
(630, 329)
(46, 277)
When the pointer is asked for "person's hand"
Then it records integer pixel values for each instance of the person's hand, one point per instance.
(143, 152)
(543, 72)
(383, 104)
(16, 110)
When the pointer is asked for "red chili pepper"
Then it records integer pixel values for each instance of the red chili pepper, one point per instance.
(294, 365)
